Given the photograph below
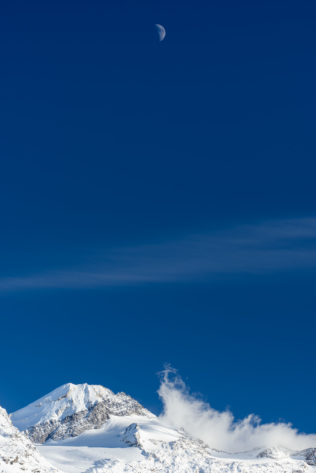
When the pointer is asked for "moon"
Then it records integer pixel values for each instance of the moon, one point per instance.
(161, 32)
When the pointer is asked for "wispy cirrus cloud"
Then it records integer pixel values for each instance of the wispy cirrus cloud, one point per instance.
(280, 245)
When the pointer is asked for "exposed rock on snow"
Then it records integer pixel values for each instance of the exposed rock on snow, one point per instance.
(17, 453)
(274, 453)
(131, 435)
(72, 409)
(309, 456)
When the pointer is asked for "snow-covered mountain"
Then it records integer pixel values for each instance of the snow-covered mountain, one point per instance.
(71, 409)
(17, 453)
(89, 429)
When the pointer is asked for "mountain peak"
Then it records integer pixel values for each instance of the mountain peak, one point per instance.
(71, 409)
(63, 401)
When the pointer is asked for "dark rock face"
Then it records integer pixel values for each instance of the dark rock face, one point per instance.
(131, 436)
(70, 426)
(91, 418)
(309, 455)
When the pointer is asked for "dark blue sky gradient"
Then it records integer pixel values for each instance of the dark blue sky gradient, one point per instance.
(110, 139)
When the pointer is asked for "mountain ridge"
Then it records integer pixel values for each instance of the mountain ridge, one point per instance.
(89, 429)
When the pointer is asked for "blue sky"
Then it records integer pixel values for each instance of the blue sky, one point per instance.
(158, 201)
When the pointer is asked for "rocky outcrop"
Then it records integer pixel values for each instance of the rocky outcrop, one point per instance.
(131, 436)
(273, 453)
(71, 425)
(309, 456)
(71, 410)
(17, 453)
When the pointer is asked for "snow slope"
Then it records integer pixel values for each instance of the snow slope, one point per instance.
(17, 453)
(124, 438)
(134, 444)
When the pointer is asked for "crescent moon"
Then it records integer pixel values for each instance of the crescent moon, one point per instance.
(161, 32)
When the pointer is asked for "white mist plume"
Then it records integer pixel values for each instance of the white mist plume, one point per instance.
(220, 430)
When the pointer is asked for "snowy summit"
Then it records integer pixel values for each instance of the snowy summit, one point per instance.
(72, 409)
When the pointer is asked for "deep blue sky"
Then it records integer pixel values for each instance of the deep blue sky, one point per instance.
(158, 200)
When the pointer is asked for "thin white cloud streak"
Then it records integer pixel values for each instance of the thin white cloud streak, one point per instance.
(220, 430)
(283, 245)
